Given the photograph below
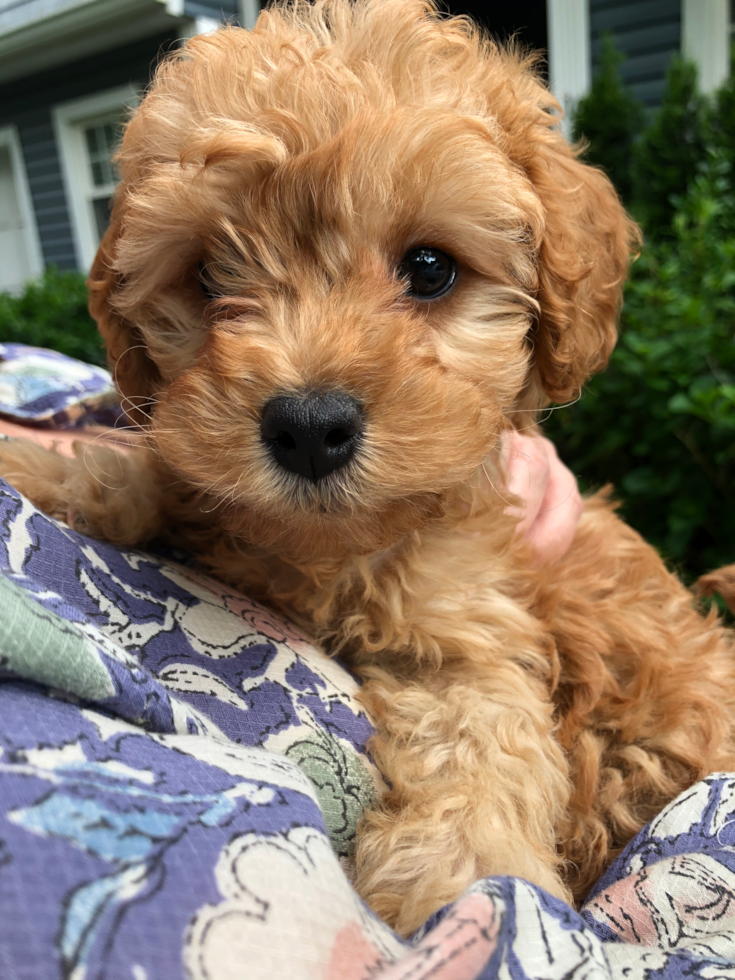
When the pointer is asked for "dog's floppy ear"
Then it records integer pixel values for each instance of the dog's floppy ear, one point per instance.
(135, 374)
(583, 260)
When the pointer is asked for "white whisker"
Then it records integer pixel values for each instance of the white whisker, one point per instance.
(487, 477)
(117, 362)
(88, 468)
(551, 408)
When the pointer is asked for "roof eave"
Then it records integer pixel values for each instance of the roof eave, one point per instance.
(87, 28)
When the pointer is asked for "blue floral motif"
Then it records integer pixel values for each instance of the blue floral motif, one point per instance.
(50, 389)
(130, 804)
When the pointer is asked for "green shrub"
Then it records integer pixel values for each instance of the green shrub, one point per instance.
(720, 133)
(671, 149)
(721, 119)
(52, 312)
(659, 424)
(608, 119)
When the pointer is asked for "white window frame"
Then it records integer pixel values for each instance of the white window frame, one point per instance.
(706, 38)
(9, 138)
(569, 53)
(70, 119)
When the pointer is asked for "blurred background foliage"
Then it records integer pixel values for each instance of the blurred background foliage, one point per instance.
(659, 424)
(52, 312)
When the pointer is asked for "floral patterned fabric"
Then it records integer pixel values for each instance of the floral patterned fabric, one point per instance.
(43, 388)
(181, 776)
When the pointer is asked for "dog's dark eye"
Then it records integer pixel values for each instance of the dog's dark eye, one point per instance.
(428, 272)
(206, 282)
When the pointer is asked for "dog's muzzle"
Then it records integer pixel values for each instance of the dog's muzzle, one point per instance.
(312, 435)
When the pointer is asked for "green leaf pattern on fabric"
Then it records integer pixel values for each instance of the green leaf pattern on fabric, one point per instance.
(37, 644)
(343, 785)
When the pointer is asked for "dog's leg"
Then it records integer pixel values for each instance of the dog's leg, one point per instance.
(478, 784)
(646, 693)
(115, 496)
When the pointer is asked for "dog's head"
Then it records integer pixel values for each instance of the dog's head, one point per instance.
(348, 249)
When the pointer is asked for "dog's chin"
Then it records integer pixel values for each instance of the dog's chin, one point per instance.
(315, 533)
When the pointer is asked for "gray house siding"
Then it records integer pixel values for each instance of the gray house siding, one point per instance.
(27, 103)
(647, 32)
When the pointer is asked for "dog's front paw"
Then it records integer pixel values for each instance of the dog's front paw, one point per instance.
(39, 474)
(98, 492)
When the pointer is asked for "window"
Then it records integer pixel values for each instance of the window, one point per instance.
(101, 139)
(20, 251)
(88, 133)
(527, 20)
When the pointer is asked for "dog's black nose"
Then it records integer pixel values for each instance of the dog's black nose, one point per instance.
(313, 435)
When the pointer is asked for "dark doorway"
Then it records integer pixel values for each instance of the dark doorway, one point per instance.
(524, 18)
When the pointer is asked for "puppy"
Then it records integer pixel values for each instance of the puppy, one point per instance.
(348, 250)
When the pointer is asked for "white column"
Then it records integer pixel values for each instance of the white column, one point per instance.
(705, 38)
(198, 25)
(570, 63)
(247, 12)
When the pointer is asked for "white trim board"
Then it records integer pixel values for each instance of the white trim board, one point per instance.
(198, 25)
(248, 12)
(9, 138)
(68, 120)
(705, 38)
(570, 60)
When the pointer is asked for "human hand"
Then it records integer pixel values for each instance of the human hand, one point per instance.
(62, 440)
(548, 490)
